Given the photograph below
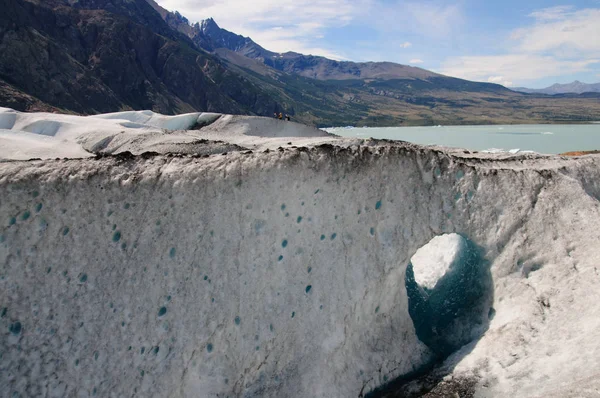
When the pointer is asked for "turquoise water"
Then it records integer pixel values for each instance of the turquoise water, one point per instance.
(541, 138)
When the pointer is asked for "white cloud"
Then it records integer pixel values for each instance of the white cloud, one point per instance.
(499, 80)
(560, 41)
(571, 32)
(434, 19)
(415, 61)
(551, 13)
(406, 44)
(423, 18)
(512, 67)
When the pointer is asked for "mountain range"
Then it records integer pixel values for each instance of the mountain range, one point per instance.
(576, 87)
(90, 56)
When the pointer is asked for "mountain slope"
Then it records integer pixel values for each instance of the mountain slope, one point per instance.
(576, 87)
(91, 60)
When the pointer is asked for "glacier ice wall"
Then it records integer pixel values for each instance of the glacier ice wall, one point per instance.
(276, 274)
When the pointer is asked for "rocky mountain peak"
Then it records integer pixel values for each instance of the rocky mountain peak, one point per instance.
(208, 25)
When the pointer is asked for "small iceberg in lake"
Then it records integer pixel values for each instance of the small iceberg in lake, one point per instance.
(493, 150)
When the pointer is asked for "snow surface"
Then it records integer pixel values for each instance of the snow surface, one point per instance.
(432, 261)
(141, 131)
(281, 273)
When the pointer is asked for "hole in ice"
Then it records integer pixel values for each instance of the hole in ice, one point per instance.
(65, 231)
(308, 288)
(322, 237)
(237, 320)
(450, 294)
(284, 243)
(172, 252)
(378, 205)
(15, 328)
(449, 289)
(333, 236)
(116, 236)
(25, 216)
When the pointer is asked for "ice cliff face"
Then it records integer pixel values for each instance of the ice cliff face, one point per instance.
(284, 273)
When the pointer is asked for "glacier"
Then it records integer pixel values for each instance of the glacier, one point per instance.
(216, 255)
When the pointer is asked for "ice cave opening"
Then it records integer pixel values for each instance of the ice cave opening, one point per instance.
(450, 293)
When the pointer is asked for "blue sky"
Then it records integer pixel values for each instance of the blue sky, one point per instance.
(516, 43)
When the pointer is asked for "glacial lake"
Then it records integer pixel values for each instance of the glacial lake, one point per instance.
(541, 138)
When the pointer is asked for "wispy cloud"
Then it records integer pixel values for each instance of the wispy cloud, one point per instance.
(551, 13)
(406, 44)
(561, 40)
(415, 61)
(572, 32)
(431, 19)
(511, 67)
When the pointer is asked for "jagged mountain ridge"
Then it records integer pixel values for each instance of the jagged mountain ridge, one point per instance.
(575, 87)
(208, 35)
